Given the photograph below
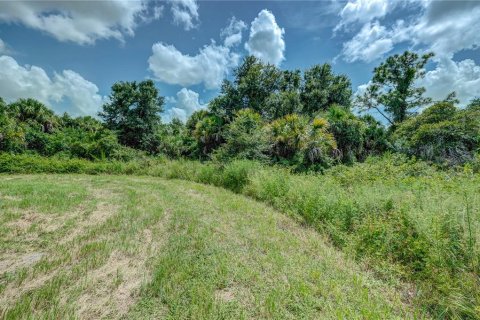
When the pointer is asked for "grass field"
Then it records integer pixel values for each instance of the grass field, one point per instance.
(77, 246)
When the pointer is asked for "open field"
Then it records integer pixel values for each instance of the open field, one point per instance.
(139, 247)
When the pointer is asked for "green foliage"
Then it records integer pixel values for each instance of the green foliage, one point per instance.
(349, 133)
(253, 84)
(208, 133)
(134, 113)
(376, 141)
(298, 142)
(322, 88)
(175, 140)
(32, 113)
(393, 87)
(235, 175)
(12, 136)
(287, 136)
(28, 126)
(280, 104)
(274, 93)
(442, 134)
(319, 147)
(245, 138)
(287, 99)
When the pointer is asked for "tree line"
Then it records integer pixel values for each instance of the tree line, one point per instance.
(308, 120)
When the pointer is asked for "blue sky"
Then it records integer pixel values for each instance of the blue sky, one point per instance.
(69, 53)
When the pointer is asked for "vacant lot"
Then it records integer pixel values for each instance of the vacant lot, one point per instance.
(111, 247)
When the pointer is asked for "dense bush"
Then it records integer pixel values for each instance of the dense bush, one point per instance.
(245, 138)
(29, 126)
(176, 141)
(349, 133)
(442, 134)
(302, 143)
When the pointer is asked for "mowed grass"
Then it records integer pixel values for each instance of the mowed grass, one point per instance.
(75, 246)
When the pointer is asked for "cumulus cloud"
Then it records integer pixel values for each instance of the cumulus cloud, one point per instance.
(266, 39)
(185, 12)
(232, 34)
(444, 27)
(363, 11)
(462, 77)
(371, 42)
(448, 27)
(187, 102)
(82, 22)
(209, 66)
(18, 81)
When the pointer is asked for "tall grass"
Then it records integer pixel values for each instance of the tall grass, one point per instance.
(403, 219)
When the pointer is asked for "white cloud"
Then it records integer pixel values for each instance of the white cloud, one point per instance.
(175, 113)
(448, 27)
(185, 12)
(371, 42)
(462, 77)
(363, 11)
(187, 102)
(82, 22)
(444, 27)
(232, 34)
(82, 94)
(209, 66)
(18, 81)
(266, 39)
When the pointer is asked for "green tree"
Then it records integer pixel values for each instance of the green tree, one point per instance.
(376, 139)
(319, 148)
(245, 138)
(134, 113)
(12, 135)
(33, 113)
(175, 140)
(287, 99)
(349, 133)
(253, 84)
(208, 132)
(322, 88)
(303, 144)
(393, 91)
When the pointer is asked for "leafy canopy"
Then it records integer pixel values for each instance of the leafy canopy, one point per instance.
(134, 113)
(393, 91)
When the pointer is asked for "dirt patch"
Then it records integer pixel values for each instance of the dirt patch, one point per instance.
(102, 212)
(114, 287)
(10, 198)
(225, 295)
(25, 222)
(13, 262)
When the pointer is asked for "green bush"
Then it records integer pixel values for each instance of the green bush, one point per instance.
(245, 138)
(301, 143)
(442, 134)
(235, 175)
(349, 133)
